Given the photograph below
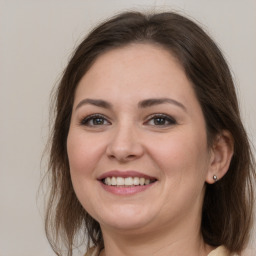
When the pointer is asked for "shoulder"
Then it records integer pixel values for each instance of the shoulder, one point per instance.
(219, 251)
(94, 251)
(249, 252)
(223, 251)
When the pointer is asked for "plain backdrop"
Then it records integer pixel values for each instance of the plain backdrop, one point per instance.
(36, 41)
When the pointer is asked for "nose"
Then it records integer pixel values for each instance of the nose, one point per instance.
(125, 144)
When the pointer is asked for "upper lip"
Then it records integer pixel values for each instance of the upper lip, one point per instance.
(125, 174)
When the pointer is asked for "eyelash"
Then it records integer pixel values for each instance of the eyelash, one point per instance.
(161, 118)
(86, 121)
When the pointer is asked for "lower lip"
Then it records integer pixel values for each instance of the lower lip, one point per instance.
(126, 190)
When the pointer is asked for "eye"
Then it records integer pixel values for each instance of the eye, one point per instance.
(160, 120)
(95, 120)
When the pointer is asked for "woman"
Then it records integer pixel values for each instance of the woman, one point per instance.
(148, 152)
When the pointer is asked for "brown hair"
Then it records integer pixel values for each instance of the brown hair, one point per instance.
(228, 204)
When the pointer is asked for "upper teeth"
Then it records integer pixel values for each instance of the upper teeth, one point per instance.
(130, 181)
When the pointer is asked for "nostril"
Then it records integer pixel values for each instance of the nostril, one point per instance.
(124, 150)
(131, 156)
(122, 157)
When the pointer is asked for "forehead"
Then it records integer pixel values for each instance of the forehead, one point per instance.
(146, 56)
(146, 68)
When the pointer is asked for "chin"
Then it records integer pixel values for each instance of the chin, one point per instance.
(125, 219)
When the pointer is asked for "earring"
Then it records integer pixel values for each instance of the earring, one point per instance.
(215, 178)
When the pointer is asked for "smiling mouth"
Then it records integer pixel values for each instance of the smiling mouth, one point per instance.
(127, 182)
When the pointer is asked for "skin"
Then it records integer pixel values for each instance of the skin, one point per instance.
(165, 218)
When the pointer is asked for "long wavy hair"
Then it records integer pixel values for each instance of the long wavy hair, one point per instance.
(228, 204)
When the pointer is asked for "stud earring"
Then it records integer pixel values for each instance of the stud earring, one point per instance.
(215, 178)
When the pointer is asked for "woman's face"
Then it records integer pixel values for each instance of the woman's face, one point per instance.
(137, 143)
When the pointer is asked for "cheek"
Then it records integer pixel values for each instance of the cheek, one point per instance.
(182, 154)
(83, 158)
(83, 153)
(183, 159)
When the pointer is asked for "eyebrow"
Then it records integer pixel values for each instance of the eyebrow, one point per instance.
(95, 102)
(157, 101)
(142, 104)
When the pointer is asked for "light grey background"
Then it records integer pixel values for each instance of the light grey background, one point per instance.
(36, 40)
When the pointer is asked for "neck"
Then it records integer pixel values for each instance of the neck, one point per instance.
(181, 236)
(158, 243)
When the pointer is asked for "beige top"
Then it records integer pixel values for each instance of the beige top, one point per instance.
(219, 251)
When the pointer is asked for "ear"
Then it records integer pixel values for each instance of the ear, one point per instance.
(221, 154)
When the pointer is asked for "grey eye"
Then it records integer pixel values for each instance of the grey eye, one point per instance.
(95, 120)
(161, 120)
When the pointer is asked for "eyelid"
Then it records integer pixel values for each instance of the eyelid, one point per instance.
(171, 119)
(90, 117)
(85, 120)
